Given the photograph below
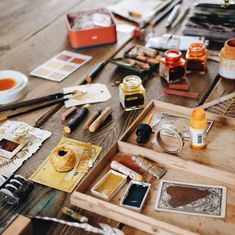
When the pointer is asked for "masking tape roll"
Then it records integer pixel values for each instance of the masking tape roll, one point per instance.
(172, 130)
(63, 158)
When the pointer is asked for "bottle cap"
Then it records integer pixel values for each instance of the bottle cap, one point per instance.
(173, 56)
(197, 49)
(198, 114)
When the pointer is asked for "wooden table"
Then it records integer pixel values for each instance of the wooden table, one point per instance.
(31, 32)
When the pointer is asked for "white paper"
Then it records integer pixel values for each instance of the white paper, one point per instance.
(94, 93)
(33, 138)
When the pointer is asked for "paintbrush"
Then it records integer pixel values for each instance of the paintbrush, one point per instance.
(90, 163)
(33, 109)
(37, 100)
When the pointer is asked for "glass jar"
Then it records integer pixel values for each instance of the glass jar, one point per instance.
(227, 60)
(196, 58)
(172, 66)
(132, 93)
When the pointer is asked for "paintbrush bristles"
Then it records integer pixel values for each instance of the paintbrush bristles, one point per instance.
(3, 119)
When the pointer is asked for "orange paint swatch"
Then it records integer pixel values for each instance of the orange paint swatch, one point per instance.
(7, 83)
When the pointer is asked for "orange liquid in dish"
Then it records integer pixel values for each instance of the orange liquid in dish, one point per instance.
(7, 83)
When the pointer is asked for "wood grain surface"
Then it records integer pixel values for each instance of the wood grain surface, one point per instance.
(35, 31)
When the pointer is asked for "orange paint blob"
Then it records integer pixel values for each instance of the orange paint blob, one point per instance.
(7, 83)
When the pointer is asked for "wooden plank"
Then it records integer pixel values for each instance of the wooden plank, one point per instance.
(22, 19)
(223, 87)
(20, 226)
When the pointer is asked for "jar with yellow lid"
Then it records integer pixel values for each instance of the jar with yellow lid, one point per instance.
(198, 129)
(132, 93)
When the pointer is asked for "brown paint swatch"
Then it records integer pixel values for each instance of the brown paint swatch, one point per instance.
(181, 196)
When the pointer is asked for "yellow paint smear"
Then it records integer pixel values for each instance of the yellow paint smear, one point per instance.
(110, 183)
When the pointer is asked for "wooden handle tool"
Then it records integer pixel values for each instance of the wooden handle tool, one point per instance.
(100, 120)
(92, 118)
(77, 119)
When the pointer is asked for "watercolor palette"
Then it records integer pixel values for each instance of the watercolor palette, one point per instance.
(60, 66)
(135, 195)
(109, 185)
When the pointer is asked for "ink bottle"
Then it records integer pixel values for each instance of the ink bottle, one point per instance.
(198, 129)
(196, 58)
(172, 66)
(132, 93)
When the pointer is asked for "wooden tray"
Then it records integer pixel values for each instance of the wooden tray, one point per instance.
(213, 166)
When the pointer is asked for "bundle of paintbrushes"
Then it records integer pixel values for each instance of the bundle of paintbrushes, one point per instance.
(139, 59)
(57, 98)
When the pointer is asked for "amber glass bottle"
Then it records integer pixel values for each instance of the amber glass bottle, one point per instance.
(196, 58)
(172, 66)
(132, 93)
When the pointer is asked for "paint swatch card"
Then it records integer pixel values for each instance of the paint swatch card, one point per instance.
(60, 66)
(195, 199)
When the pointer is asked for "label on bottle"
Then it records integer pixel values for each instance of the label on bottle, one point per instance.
(121, 95)
(198, 137)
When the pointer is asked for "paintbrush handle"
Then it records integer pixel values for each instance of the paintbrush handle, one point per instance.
(166, 11)
(37, 108)
(32, 101)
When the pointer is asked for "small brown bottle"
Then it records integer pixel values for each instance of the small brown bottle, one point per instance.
(172, 66)
(196, 58)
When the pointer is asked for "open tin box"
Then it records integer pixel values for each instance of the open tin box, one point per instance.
(214, 165)
(91, 37)
(139, 64)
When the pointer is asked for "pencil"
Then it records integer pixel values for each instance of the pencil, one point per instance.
(180, 17)
(92, 74)
(166, 11)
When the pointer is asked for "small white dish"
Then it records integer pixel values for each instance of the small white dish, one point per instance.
(17, 91)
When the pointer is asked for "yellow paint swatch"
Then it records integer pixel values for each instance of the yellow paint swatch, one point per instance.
(56, 76)
(42, 72)
(53, 64)
(109, 184)
(68, 68)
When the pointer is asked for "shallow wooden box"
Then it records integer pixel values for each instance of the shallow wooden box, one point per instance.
(213, 166)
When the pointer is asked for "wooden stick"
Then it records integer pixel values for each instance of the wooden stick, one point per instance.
(182, 87)
(189, 94)
(100, 119)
